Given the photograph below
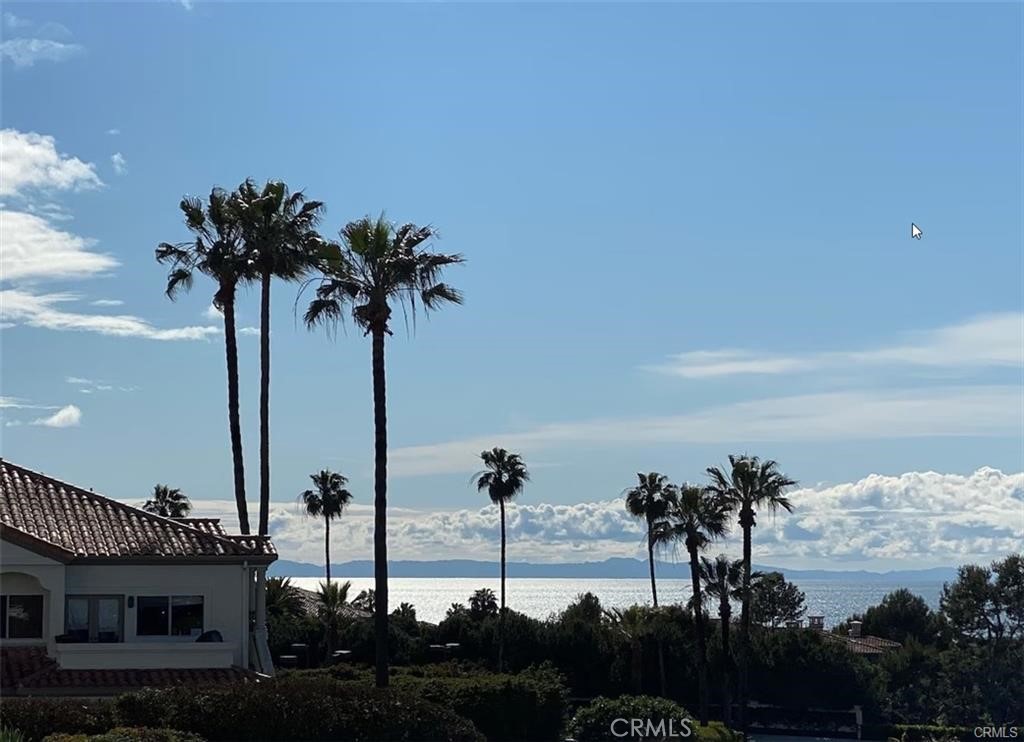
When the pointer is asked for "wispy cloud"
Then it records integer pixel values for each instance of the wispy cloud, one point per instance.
(249, 331)
(119, 164)
(21, 404)
(36, 42)
(26, 52)
(212, 313)
(66, 417)
(988, 340)
(854, 415)
(34, 248)
(13, 21)
(37, 251)
(43, 310)
(113, 132)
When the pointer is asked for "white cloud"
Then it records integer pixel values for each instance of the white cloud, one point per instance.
(249, 331)
(13, 21)
(20, 404)
(31, 161)
(107, 303)
(43, 311)
(989, 340)
(212, 313)
(113, 132)
(856, 415)
(879, 522)
(34, 248)
(118, 162)
(26, 52)
(187, 4)
(66, 417)
(78, 380)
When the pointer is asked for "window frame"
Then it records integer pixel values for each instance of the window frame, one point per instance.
(93, 615)
(5, 611)
(169, 602)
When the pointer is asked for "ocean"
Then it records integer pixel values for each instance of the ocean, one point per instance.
(836, 600)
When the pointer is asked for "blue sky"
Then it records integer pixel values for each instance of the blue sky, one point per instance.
(687, 232)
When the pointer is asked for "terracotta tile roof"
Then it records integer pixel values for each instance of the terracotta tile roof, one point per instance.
(27, 671)
(870, 645)
(73, 524)
(206, 525)
(18, 663)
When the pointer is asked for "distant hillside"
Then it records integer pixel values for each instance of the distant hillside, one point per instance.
(609, 568)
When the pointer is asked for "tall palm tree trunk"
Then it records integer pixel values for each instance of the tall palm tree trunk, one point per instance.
(380, 505)
(650, 560)
(501, 615)
(702, 658)
(745, 629)
(265, 404)
(725, 615)
(234, 422)
(654, 597)
(327, 548)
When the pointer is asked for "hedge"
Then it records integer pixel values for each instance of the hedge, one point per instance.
(311, 709)
(37, 717)
(128, 734)
(593, 722)
(528, 705)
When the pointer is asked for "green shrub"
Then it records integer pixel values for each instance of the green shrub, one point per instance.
(128, 734)
(919, 733)
(529, 705)
(506, 707)
(594, 721)
(37, 717)
(11, 735)
(296, 708)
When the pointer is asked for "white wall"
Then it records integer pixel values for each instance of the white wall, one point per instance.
(23, 572)
(224, 589)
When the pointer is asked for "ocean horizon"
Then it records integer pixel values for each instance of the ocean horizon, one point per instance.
(541, 597)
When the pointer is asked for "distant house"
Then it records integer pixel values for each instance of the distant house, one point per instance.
(871, 647)
(97, 596)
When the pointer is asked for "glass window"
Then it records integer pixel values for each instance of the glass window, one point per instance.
(24, 616)
(175, 615)
(94, 618)
(152, 615)
(186, 615)
(77, 622)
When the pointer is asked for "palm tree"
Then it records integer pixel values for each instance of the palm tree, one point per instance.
(721, 579)
(504, 478)
(376, 264)
(482, 603)
(748, 485)
(631, 624)
(647, 500)
(216, 252)
(695, 517)
(170, 503)
(327, 501)
(279, 232)
(331, 609)
(283, 598)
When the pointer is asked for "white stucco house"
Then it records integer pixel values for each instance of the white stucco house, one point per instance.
(98, 595)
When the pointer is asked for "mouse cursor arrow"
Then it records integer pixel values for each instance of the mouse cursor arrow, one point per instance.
(915, 231)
